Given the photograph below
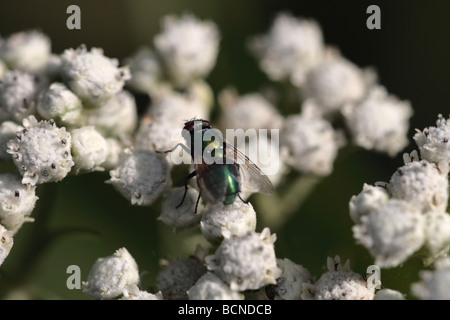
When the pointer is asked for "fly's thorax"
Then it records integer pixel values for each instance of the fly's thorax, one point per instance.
(207, 146)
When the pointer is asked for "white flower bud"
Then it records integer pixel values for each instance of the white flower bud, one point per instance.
(161, 128)
(18, 94)
(311, 143)
(89, 149)
(145, 70)
(211, 287)
(6, 243)
(115, 155)
(291, 48)
(8, 131)
(339, 283)
(93, 77)
(336, 82)
(437, 231)
(188, 47)
(60, 104)
(41, 152)
(391, 232)
(142, 177)
(184, 216)
(110, 276)
(133, 293)
(177, 277)
(369, 199)
(434, 142)
(246, 262)
(26, 51)
(434, 284)
(379, 122)
(389, 294)
(117, 117)
(249, 111)
(236, 219)
(290, 283)
(422, 184)
(17, 201)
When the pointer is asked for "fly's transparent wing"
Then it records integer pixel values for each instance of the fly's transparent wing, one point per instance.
(254, 180)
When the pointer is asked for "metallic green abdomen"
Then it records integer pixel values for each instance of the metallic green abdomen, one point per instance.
(221, 183)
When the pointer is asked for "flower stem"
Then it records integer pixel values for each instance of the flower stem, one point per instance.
(277, 209)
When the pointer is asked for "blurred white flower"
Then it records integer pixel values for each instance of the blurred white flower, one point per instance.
(389, 294)
(336, 82)
(110, 276)
(339, 283)
(133, 292)
(422, 184)
(17, 201)
(89, 149)
(6, 243)
(311, 143)
(379, 121)
(369, 199)
(246, 262)
(248, 111)
(434, 284)
(292, 47)
(18, 93)
(188, 47)
(437, 232)
(211, 287)
(434, 142)
(116, 154)
(93, 77)
(41, 151)
(145, 70)
(160, 129)
(116, 118)
(8, 131)
(142, 177)
(60, 104)
(392, 232)
(26, 51)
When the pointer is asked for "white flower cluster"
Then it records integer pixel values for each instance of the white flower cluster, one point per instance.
(396, 219)
(67, 114)
(72, 114)
(185, 51)
(434, 284)
(330, 87)
(116, 277)
(339, 283)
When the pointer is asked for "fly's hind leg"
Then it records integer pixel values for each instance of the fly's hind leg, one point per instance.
(191, 175)
(239, 196)
(196, 204)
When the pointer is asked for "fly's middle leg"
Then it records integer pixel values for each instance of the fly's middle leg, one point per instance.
(191, 175)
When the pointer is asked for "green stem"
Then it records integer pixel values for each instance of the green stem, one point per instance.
(277, 209)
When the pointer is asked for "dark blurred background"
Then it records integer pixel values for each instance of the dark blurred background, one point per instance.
(410, 54)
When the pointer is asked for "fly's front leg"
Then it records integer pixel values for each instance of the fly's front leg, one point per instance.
(173, 149)
(191, 175)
